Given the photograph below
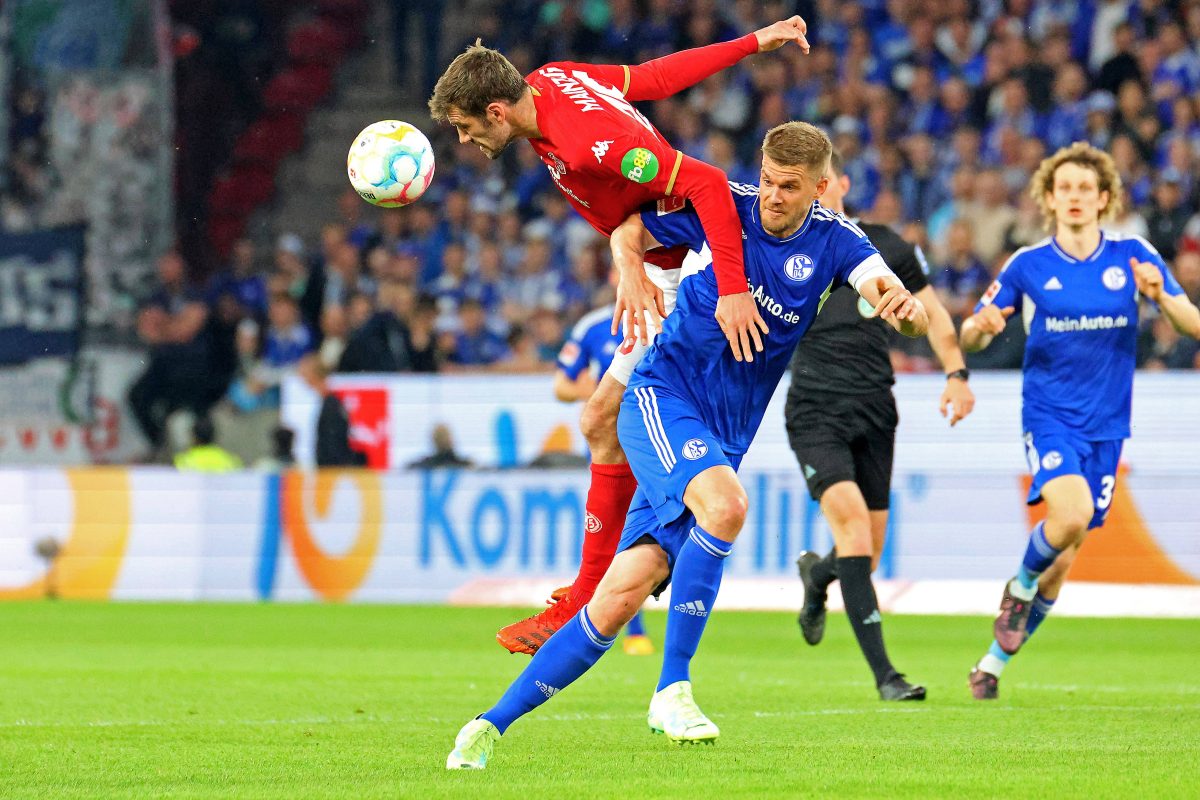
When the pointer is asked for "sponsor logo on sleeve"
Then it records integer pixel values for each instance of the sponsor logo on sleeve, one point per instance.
(669, 205)
(569, 352)
(639, 165)
(991, 293)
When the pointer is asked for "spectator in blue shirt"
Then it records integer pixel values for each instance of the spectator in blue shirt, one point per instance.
(964, 278)
(474, 344)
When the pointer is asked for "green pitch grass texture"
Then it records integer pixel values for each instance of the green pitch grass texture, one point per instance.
(288, 701)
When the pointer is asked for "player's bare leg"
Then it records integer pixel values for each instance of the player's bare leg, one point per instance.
(858, 536)
(611, 489)
(1027, 599)
(1069, 511)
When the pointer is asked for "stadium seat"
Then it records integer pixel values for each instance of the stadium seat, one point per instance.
(317, 42)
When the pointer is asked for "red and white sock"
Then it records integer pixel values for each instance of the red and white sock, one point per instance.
(608, 500)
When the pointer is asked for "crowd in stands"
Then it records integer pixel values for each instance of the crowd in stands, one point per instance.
(941, 110)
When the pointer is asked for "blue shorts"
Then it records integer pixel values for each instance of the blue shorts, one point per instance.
(1053, 454)
(667, 445)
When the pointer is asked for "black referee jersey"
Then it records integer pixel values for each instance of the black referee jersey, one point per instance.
(845, 352)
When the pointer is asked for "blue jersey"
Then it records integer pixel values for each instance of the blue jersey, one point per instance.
(789, 278)
(591, 344)
(1082, 318)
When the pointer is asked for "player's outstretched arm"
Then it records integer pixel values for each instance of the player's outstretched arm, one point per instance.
(896, 306)
(1177, 308)
(569, 390)
(980, 328)
(639, 302)
(673, 73)
(957, 397)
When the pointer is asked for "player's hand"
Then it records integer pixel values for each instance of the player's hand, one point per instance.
(991, 319)
(640, 307)
(772, 37)
(1149, 279)
(895, 302)
(738, 316)
(958, 398)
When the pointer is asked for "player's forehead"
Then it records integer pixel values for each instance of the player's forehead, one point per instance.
(783, 173)
(1073, 172)
(459, 119)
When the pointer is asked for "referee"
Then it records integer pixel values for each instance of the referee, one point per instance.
(841, 422)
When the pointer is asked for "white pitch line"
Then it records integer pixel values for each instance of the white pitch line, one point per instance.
(586, 717)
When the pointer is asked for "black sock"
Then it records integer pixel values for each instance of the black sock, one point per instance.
(825, 571)
(863, 609)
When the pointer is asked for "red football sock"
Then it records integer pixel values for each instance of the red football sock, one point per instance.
(608, 499)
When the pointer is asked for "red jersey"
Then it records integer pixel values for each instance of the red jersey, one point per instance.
(608, 159)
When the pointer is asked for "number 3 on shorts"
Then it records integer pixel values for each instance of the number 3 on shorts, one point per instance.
(1106, 492)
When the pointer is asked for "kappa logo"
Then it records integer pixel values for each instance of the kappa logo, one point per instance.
(593, 524)
(1052, 460)
(547, 690)
(694, 448)
(599, 149)
(1053, 283)
(1115, 278)
(693, 608)
(799, 268)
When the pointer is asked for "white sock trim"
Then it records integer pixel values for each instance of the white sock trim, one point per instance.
(992, 665)
(1020, 592)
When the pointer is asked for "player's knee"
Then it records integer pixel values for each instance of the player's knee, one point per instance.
(615, 603)
(725, 513)
(598, 423)
(1073, 519)
(844, 508)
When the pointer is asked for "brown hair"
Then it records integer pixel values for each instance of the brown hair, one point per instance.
(475, 79)
(1088, 157)
(836, 164)
(798, 144)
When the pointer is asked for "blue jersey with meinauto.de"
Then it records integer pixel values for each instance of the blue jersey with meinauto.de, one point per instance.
(789, 279)
(1082, 319)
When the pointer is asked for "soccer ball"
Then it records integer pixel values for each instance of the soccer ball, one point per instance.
(390, 163)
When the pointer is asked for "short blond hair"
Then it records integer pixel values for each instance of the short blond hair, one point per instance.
(474, 80)
(798, 144)
(1088, 157)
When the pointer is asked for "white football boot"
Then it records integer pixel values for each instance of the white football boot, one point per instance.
(473, 745)
(675, 713)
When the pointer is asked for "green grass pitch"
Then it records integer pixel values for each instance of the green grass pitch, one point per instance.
(287, 701)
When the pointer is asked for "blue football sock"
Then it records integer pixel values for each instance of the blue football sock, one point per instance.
(636, 627)
(570, 652)
(1039, 555)
(1041, 607)
(995, 660)
(694, 584)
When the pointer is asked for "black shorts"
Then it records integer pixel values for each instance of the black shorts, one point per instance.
(844, 438)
